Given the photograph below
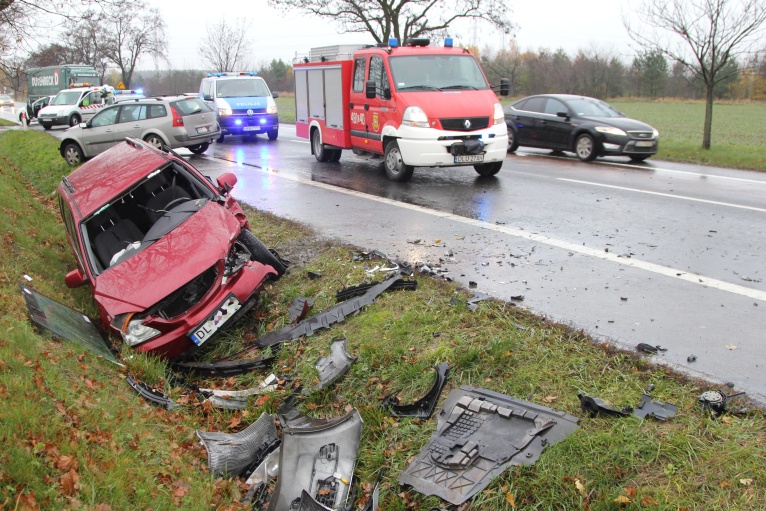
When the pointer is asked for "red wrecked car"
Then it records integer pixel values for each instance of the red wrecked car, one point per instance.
(168, 255)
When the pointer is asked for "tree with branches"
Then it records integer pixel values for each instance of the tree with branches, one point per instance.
(705, 36)
(227, 47)
(402, 19)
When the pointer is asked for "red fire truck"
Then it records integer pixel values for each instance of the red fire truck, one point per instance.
(416, 105)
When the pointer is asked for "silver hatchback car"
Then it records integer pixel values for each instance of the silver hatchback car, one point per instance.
(173, 122)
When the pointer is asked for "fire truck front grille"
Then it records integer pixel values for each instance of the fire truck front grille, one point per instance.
(465, 123)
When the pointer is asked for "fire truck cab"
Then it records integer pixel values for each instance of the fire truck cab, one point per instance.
(416, 105)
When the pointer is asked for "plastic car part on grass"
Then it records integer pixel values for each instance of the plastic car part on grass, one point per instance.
(473, 302)
(224, 367)
(262, 475)
(479, 434)
(656, 409)
(361, 289)
(66, 323)
(319, 459)
(595, 406)
(153, 396)
(715, 401)
(333, 366)
(335, 314)
(237, 399)
(299, 308)
(423, 407)
(232, 453)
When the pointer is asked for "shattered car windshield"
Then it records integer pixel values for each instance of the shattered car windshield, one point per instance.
(142, 215)
(414, 73)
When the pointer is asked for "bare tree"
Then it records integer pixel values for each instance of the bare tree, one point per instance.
(705, 36)
(402, 19)
(226, 47)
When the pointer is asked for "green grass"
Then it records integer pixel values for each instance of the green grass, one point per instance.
(68, 414)
(4, 122)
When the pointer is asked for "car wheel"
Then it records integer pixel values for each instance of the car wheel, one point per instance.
(639, 157)
(396, 169)
(273, 134)
(45, 125)
(72, 154)
(488, 169)
(513, 144)
(199, 148)
(74, 120)
(259, 252)
(155, 141)
(585, 147)
(220, 138)
(320, 153)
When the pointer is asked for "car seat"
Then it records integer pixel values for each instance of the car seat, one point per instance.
(116, 238)
(158, 203)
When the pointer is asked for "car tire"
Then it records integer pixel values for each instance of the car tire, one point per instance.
(199, 148)
(273, 134)
(488, 169)
(72, 154)
(396, 169)
(260, 253)
(585, 147)
(513, 142)
(46, 126)
(74, 120)
(638, 158)
(320, 152)
(154, 141)
(220, 138)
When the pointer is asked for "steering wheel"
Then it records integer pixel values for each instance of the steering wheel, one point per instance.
(175, 202)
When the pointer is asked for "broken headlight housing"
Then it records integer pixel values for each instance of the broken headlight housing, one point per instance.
(238, 256)
(133, 330)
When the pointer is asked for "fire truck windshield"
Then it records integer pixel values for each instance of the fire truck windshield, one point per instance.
(413, 73)
(242, 88)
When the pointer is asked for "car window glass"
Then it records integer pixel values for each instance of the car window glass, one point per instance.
(593, 108)
(554, 106)
(379, 75)
(359, 65)
(535, 105)
(156, 111)
(130, 113)
(105, 117)
(191, 106)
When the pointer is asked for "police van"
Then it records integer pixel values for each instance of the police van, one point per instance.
(243, 104)
(72, 106)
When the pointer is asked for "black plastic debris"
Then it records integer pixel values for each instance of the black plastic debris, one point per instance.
(657, 409)
(472, 284)
(299, 308)
(648, 348)
(517, 298)
(691, 358)
(333, 366)
(259, 479)
(715, 401)
(153, 396)
(479, 434)
(66, 323)
(594, 406)
(473, 302)
(318, 459)
(313, 275)
(224, 367)
(423, 407)
(229, 454)
(359, 290)
(374, 498)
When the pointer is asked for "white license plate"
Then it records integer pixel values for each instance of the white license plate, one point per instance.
(644, 143)
(251, 128)
(224, 313)
(203, 129)
(469, 158)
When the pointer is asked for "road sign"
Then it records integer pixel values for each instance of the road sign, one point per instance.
(121, 86)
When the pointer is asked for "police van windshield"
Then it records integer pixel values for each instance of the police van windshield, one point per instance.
(413, 73)
(66, 98)
(242, 88)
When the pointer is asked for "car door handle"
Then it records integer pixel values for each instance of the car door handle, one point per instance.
(109, 130)
(136, 125)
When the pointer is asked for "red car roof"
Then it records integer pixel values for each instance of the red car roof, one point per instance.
(111, 173)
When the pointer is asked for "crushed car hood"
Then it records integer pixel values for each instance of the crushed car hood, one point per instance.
(169, 263)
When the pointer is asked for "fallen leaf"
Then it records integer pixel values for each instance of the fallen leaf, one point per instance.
(725, 484)
(631, 491)
(731, 347)
(622, 499)
(746, 482)
(550, 399)
(68, 483)
(580, 487)
(648, 501)
(511, 499)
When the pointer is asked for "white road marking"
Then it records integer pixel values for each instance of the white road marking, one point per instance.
(692, 278)
(673, 196)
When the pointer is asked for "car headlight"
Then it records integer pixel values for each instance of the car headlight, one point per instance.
(611, 131)
(224, 111)
(133, 330)
(271, 109)
(499, 115)
(415, 116)
(655, 133)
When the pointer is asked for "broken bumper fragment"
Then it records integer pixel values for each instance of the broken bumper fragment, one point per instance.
(231, 454)
(423, 407)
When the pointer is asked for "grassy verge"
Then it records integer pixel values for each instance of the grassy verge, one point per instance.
(75, 436)
(5, 122)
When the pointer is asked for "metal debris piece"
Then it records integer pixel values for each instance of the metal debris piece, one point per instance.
(648, 348)
(479, 434)
(153, 396)
(299, 308)
(333, 366)
(318, 459)
(231, 454)
(237, 399)
(423, 407)
(473, 302)
(656, 409)
(595, 406)
(715, 401)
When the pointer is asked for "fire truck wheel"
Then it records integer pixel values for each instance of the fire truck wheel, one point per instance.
(320, 153)
(273, 134)
(488, 169)
(74, 120)
(396, 170)
(335, 154)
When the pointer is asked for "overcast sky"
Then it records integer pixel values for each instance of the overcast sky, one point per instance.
(548, 24)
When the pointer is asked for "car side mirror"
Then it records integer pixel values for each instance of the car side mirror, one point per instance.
(565, 115)
(226, 182)
(75, 278)
(275, 95)
(369, 89)
(83, 125)
(505, 86)
(207, 97)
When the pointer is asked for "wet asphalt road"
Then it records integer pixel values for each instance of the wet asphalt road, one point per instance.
(659, 253)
